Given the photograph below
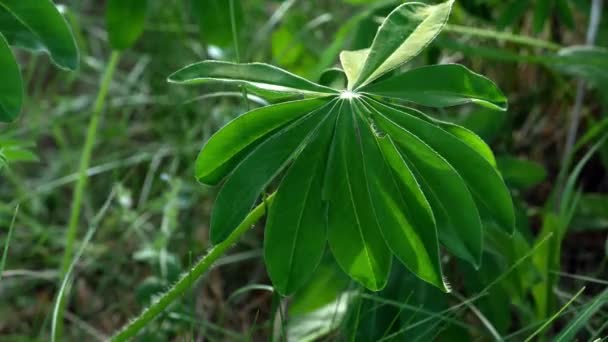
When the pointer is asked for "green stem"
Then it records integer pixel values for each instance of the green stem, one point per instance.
(503, 36)
(188, 279)
(85, 161)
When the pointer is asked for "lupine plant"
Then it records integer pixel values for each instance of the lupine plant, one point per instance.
(356, 167)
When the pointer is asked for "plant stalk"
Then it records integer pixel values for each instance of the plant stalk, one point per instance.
(85, 161)
(503, 36)
(188, 279)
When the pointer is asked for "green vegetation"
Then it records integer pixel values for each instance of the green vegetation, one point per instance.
(370, 170)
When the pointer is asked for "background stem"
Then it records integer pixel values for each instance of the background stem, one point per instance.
(85, 161)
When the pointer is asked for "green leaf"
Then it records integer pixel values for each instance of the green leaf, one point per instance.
(257, 75)
(403, 34)
(514, 11)
(249, 179)
(520, 173)
(213, 17)
(541, 13)
(587, 62)
(125, 21)
(324, 286)
(440, 86)
(295, 235)
(565, 13)
(353, 231)
(482, 179)
(465, 135)
(401, 210)
(352, 63)
(458, 222)
(11, 87)
(231, 144)
(38, 26)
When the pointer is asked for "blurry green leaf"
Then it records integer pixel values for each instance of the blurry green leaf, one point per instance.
(285, 49)
(541, 13)
(38, 26)
(11, 86)
(214, 20)
(249, 179)
(229, 146)
(587, 62)
(441, 86)
(591, 213)
(514, 11)
(565, 13)
(292, 250)
(487, 123)
(520, 173)
(257, 75)
(403, 34)
(125, 21)
(353, 233)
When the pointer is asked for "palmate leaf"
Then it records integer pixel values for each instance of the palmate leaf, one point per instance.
(368, 178)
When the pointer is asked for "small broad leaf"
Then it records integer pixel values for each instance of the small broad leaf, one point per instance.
(403, 34)
(440, 86)
(38, 26)
(256, 171)
(293, 248)
(353, 231)
(403, 213)
(458, 222)
(11, 86)
(482, 179)
(257, 75)
(231, 144)
(125, 21)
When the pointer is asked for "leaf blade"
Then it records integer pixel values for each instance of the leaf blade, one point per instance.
(38, 26)
(458, 222)
(402, 212)
(404, 33)
(228, 146)
(442, 85)
(482, 179)
(125, 21)
(257, 75)
(11, 87)
(296, 224)
(352, 232)
(240, 191)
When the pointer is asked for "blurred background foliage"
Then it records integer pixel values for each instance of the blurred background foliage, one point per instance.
(156, 222)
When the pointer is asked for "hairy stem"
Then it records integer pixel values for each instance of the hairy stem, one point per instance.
(189, 278)
(85, 161)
